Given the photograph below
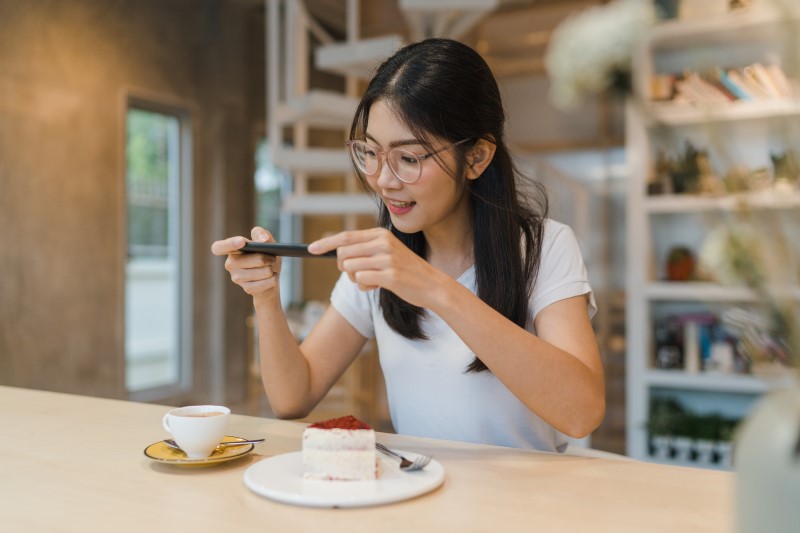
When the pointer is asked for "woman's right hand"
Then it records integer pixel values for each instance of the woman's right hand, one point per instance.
(256, 273)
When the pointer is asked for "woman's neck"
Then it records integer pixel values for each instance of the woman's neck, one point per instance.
(450, 246)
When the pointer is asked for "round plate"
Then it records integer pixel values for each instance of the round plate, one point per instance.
(281, 478)
(161, 452)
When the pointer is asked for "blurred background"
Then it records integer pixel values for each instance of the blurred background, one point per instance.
(134, 133)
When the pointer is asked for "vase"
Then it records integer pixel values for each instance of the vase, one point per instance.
(767, 465)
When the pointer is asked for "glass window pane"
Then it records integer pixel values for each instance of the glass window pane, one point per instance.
(268, 180)
(152, 289)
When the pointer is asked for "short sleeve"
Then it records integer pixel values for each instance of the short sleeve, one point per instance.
(354, 305)
(562, 272)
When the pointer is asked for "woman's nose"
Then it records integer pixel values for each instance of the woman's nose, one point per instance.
(387, 179)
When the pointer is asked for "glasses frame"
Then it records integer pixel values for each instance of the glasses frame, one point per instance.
(383, 156)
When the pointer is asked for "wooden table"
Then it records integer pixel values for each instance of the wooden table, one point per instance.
(74, 463)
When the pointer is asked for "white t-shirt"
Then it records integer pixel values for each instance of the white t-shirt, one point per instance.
(429, 393)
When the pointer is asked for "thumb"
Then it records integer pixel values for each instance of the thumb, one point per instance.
(259, 234)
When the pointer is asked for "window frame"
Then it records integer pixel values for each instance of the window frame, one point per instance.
(184, 386)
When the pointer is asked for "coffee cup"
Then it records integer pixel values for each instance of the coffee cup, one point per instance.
(197, 429)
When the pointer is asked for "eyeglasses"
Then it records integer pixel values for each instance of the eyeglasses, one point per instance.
(405, 165)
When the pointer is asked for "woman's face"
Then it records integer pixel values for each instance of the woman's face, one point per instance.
(436, 201)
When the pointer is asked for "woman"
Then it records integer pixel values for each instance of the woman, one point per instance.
(479, 304)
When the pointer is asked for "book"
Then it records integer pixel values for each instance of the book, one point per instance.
(752, 88)
(757, 72)
(735, 88)
(780, 80)
(706, 92)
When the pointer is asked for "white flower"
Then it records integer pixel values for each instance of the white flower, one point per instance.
(726, 250)
(588, 49)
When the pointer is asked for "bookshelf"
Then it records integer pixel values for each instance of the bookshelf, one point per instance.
(732, 133)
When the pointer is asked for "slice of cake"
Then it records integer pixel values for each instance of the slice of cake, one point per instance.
(339, 449)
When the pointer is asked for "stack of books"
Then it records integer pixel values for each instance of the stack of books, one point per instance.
(753, 83)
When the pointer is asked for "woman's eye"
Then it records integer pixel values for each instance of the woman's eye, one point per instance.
(408, 159)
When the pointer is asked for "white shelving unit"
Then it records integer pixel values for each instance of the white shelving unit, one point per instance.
(746, 132)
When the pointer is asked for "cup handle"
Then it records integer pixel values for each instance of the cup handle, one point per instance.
(165, 423)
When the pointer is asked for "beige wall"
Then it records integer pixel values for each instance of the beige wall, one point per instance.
(65, 69)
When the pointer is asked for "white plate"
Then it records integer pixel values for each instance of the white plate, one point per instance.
(280, 478)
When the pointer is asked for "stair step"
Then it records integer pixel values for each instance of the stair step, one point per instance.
(320, 108)
(359, 58)
(318, 161)
(444, 18)
(330, 204)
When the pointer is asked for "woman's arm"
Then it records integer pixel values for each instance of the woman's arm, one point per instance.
(557, 373)
(295, 377)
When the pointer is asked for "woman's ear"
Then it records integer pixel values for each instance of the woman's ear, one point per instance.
(479, 158)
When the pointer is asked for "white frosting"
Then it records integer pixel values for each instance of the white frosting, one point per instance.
(344, 454)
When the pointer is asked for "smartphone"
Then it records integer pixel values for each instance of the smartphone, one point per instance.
(278, 248)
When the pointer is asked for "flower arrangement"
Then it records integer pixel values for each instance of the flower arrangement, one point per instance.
(590, 52)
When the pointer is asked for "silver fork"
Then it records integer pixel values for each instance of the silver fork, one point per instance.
(405, 464)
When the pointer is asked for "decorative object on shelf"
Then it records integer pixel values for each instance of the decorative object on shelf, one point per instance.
(708, 182)
(661, 183)
(690, 172)
(786, 170)
(590, 52)
(680, 264)
(677, 434)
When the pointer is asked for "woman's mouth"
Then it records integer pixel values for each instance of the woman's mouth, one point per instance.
(399, 208)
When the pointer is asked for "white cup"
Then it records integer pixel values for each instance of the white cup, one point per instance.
(197, 429)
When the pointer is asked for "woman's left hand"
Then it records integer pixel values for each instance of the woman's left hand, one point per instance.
(375, 258)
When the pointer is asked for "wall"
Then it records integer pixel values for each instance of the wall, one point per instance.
(65, 69)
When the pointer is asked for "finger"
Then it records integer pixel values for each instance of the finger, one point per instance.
(345, 238)
(248, 261)
(360, 263)
(227, 246)
(257, 287)
(250, 275)
(367, 280)
(259, 234)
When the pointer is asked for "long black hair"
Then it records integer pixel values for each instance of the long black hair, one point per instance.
(440, 88)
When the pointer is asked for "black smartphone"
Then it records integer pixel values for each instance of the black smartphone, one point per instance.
(278, 248)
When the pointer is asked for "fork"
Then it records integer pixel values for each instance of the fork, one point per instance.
(405, 464)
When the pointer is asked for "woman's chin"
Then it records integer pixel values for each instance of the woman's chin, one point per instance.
(403, 224)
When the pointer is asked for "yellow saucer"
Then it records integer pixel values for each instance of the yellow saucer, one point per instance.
(161, 452)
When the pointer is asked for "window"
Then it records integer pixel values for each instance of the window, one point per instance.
(269, 182)
(156, 178)
(272, 184)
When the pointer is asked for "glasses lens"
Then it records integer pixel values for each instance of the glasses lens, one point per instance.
(365, 157)
(405, 165)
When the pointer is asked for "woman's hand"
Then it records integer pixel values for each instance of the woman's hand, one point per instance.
(375, 258)
(256, 273)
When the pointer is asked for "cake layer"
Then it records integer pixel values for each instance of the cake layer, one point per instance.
(347, 465)
(339, 449)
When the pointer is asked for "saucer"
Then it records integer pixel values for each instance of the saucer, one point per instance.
(161, 452)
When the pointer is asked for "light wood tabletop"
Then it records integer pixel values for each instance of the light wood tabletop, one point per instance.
(75, 463)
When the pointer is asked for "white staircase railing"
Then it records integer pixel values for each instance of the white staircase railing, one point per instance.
(292, 104)
(444, 18)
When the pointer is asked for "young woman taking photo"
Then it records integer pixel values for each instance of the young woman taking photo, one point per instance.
(479, 304)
